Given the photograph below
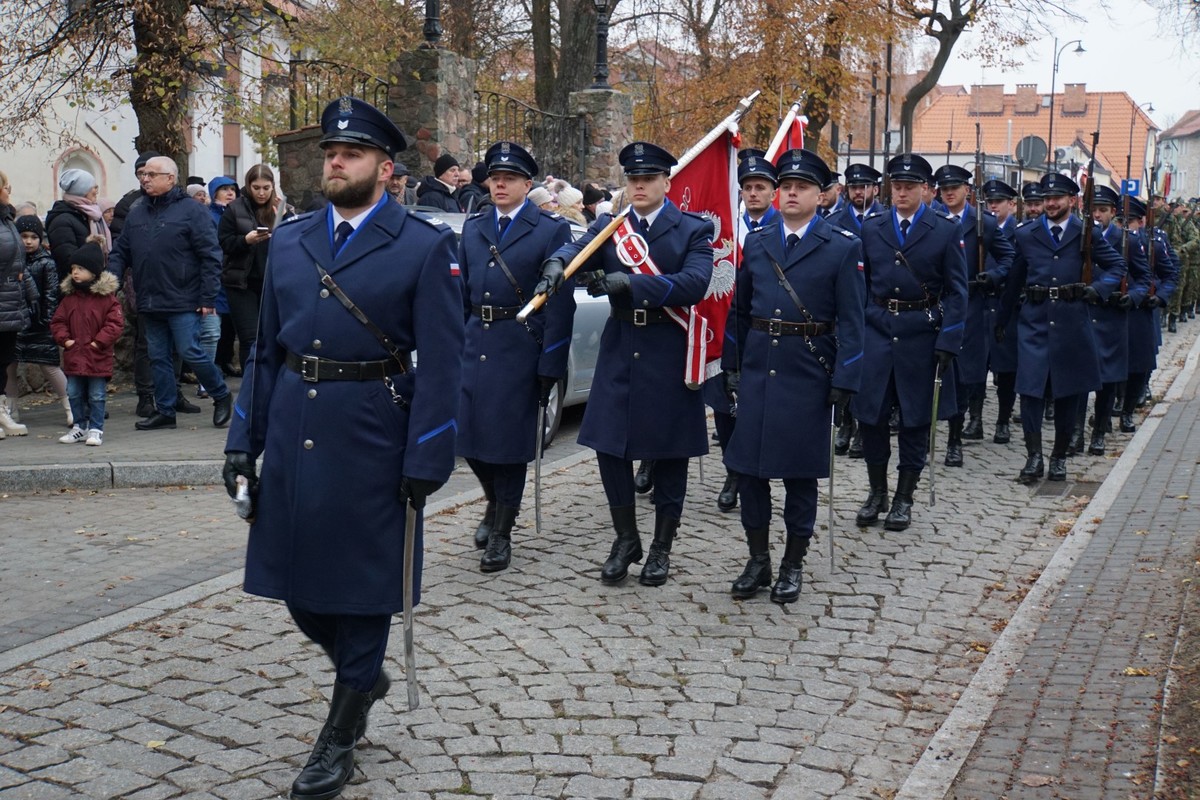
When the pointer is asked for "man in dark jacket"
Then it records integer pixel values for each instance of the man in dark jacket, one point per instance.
(169, 243)
(474, 195)
(437, 190)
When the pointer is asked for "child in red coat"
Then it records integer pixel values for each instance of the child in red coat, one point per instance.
(87, 324)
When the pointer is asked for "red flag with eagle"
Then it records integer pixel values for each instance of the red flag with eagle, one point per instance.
(707, 184)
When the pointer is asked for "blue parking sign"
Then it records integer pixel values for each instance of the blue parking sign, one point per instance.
(1131, 187)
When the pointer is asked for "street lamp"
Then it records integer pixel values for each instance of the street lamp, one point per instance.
(432, 29)
(1051, 152)
(1129, 155)
(600, 74)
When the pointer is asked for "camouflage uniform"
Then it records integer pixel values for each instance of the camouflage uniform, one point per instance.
(1192, 262)
(1183, 238)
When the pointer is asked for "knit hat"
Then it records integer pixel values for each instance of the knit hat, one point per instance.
(539, 195)
(592, 195)
(143, 158)
(76, 181)
(194, 189)
(479, 172)
(569, 196)
(90, 257)
(30, 224)
(445, 161)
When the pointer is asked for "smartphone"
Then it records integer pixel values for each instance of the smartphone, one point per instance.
(262, 229)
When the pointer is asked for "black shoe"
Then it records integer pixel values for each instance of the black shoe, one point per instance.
(841, 443)
(1049, 415)
(382, 684)
(230, 370)
(332, 761)
(1127, 425)
(658, 562)
(791, 572)
(1096, 445)
(900, 515)
(145, 406)
(727, 500)
(222, 410)
(1171, 328)
(757, 573)
(894, 421)
(1118, 404)
(498, 554)
(1002, 435)
(973, 430)
(877, 498)
(643, 481)
(1034, 467)
(154, 422)
(856, 447)
(954, 455)
(626, 549)
(1075, 446)
(1057, 470)
(184, 406)
(489, 519)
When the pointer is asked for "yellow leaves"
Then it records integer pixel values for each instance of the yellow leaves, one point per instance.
(154, 744)
(979, 647)
(1140, 672)
(1038, 780)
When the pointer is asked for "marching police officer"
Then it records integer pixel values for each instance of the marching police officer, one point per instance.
(1002, 355)
(508, 367)
(982, 282)
(1056, 348)
(653, 269)
(325, 389)
(1031, 195)
(1110, 321)
(801, 281)
(916, 302)
(1144, 328)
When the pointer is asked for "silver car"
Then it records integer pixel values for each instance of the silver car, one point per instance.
(590, 315)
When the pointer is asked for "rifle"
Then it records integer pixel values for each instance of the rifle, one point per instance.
(980, 255)
(1020, 190)
(1089, 193)
(1148, 224)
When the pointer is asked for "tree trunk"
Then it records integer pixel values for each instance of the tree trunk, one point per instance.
(543, 53)
(157, 90)
(576, 51)
(827, 82)
(947, 37)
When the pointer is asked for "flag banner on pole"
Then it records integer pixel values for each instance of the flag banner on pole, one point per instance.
(707, 185)
(794, 138)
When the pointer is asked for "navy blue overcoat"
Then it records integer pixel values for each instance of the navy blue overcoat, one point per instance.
(1111, 323)
(978, 333)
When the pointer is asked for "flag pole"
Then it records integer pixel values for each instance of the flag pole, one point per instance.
(727, 124)
(788, 119)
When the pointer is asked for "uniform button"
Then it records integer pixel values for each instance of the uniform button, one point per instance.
(645, 304)
(774, 343)
(316, 344)
(308, 444)
(778, 312)
(487, 295)
(1052, 323)
(895, 338)
(896, 290)
(1054, 280)
(483, 358)
(486, 325)
(1056, 258)
(491, 263)
(637, 355)
(324, 293)
(771, 373)
(312, 393)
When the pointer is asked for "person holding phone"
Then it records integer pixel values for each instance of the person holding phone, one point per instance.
(245, 235)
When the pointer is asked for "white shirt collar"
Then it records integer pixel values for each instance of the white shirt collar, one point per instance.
(354, 221)
(653, 215)
(800, 232)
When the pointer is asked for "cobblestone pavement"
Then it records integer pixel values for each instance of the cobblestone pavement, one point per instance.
(539, 681)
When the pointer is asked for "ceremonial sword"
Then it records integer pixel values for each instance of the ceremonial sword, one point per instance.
(410, 657)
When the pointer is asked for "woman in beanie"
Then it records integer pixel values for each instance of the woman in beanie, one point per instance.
(17, 299)
(35, 345)
(87, 324)
(437, 190)
(570, 204)
(75, 217)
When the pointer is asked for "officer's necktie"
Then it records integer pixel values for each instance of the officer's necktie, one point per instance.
(792, 241)
(344, 229)
(957, 219)
(644, 224)
(904, 223)
(503, 226)
(755, 224)
(1056, 232)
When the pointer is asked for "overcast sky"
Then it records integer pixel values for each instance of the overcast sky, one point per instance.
(1125, 51)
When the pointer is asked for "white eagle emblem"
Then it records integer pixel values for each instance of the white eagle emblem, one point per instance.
(724, 274)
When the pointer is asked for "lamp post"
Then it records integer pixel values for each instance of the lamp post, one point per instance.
(600, 74)
(432, 29)
(1052, 153)
(1129, 155)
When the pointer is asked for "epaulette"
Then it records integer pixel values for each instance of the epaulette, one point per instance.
(296, 218)
(989, 212)
(946, 215)
(431, 221)
(1026, 222)
(700, 217)
(875, 214)
(846, 233)
(476, 215)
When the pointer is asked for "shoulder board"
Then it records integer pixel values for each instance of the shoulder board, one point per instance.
(988, 213)
(477, 215)
(875, 214)
(1026, 222)
(429, 220)
(946, 215)
(846, 233)
(700, 217)
(760, 231)
(296, 218)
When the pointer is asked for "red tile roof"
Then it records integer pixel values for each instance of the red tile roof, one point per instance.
(1188, 125)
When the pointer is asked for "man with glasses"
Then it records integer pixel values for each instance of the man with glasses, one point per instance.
(170, 247)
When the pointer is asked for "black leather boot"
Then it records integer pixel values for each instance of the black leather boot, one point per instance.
(145, 405)
(378, 692)
(643, 480)
(1057, 469)
(757, 573)
(900, 516)
(332, 759)
(841, 443)
(626, 549)
(1034, 466)
(1133, 398)
(954, 454)
(1171, 327)
(1096, 445)
(499, 544)
(727, 500)
(973, 429)
(1075, 445)
(877, 498)
(894, 421)
(856, 447)
(658, 562)
(1003, 434)
(791, 571)
(1049, 414)
(489, 516)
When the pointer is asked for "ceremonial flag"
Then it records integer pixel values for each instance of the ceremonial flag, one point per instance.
(794, 138)
(707, 184)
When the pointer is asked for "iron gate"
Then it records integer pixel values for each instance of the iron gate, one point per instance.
(556, 141)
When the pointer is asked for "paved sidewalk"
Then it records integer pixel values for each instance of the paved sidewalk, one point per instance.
(539, 681)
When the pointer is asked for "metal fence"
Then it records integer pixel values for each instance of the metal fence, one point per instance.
(314, 84)
(557, 141)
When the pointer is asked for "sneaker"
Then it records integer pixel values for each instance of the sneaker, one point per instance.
(73, 436)
(95, 437)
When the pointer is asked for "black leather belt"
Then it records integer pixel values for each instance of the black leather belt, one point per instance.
(495, 313)
(314, 369)
(777, 327)
(640, 316)
(896, 306)
(1040, 294)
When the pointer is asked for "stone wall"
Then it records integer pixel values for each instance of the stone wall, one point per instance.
(300, 164)
(609, 117)
(432, 99)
